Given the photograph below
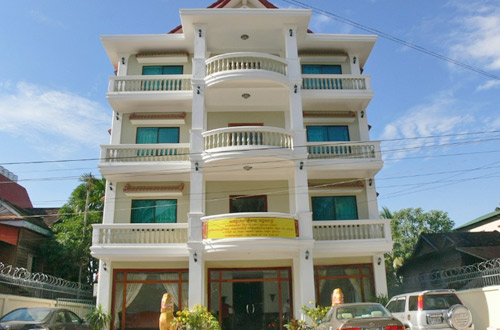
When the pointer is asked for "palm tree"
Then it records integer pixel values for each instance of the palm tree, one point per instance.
(386, 213)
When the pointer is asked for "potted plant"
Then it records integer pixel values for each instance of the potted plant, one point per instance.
(98, 318)
(197, 319)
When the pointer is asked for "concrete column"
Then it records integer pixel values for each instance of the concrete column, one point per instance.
(379, 275)
(122, 66)
(301, 199)
(108, 213)
(371, 199)
(303, 281)
(354, 62)
(196, 276)
(104, 285)
(364, 133)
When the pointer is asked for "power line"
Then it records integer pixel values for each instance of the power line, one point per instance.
(393, 38)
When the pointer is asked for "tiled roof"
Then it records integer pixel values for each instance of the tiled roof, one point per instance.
(222, 4)
(14, 193)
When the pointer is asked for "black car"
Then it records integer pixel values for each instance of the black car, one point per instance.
(42, 318)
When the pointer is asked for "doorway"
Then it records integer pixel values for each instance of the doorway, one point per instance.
(250, 299)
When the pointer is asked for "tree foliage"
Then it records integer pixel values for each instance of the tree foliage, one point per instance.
(68, 254)
(406, 227)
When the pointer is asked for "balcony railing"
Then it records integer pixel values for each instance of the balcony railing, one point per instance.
(338, 230)
(246, 61)
(156, 83)
(335, 81)
(126, 234)
(126, 153)
(343, 150)
(248, 136)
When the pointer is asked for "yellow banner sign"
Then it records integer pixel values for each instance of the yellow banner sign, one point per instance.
(251, 227)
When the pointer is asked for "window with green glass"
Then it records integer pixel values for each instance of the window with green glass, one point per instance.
(154, 211)
(334, 208)
(157, 135)
(321, 69)
(327, 133)
(162, 69)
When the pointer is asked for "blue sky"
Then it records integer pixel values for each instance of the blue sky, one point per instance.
(54, 77)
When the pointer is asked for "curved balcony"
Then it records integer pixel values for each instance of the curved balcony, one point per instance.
(246, 63)
(245, 225)
(247, 137)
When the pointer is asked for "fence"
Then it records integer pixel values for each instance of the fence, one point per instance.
(21, 282)
(478, 275)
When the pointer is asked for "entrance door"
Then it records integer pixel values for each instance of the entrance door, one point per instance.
(247, 304)
(250, 299)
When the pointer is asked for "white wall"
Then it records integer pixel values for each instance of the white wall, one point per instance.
(484, 304)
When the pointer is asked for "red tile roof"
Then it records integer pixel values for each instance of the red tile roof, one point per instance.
(222, 4)
(11, 191)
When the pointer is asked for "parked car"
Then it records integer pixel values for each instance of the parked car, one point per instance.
(431, 309)
(360, 316)
(42, 318)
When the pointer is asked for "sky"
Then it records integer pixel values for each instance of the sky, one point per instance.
(54, 76)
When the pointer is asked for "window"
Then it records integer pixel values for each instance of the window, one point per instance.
(159, 70)
(355, 281)
(321, 69)
(334, 208)
(154, 211)
(327, 133)
(413, 303)
(397, 306)
(248, 204)
(157, 135)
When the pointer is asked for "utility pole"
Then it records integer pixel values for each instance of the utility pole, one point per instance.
(84, 231)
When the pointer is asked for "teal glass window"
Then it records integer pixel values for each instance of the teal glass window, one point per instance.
(162, 69)
(154, 211)
(157, 135)
(321, 69)
(327, 133)
(334, 208)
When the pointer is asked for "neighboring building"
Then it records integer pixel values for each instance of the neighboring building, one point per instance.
(437, 252)
(487, 222)
(22, 227)
(240, 172)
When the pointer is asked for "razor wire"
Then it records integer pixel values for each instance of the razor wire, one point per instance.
(479, 275)
(33, 284)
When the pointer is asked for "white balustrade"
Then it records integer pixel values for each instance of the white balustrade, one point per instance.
(118, 153)
(248, 136)
(350, 230)
(150, 83)
(126, 234)
(335, 81)
(326, 150)
(246, 61)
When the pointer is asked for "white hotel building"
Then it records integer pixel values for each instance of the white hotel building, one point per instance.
(240, 169)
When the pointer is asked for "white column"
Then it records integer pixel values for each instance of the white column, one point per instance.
(371, 199)
(303, 281)
(379, 276)
(122, 66)
(354, 63)
(108, 213)
(104, 285)
(364, 133)
(301, 199)
(196, 276)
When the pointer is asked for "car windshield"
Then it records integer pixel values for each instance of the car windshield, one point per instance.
(27, 315)
(360, 311)
(440, 301)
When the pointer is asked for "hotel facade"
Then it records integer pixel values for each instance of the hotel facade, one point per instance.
(240, 171)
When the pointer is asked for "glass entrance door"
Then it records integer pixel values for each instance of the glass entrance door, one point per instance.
(250, 299)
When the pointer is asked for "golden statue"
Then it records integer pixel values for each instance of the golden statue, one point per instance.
(337, 297)
(167, 312)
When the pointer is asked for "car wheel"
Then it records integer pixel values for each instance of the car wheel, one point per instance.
(459, 317)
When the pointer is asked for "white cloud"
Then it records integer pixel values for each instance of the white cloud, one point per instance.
(439, 117)
(45, 20)
(489, 85)
(51, 120)
(323, 24)
(476, 35)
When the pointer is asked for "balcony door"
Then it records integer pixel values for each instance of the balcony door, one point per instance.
(238, 204)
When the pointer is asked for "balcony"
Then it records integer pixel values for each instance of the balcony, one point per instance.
(247, 140)
(337, 91)
(127, 159)
(126, 93)
(245, 65)
(343, 150)
(143, 241)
